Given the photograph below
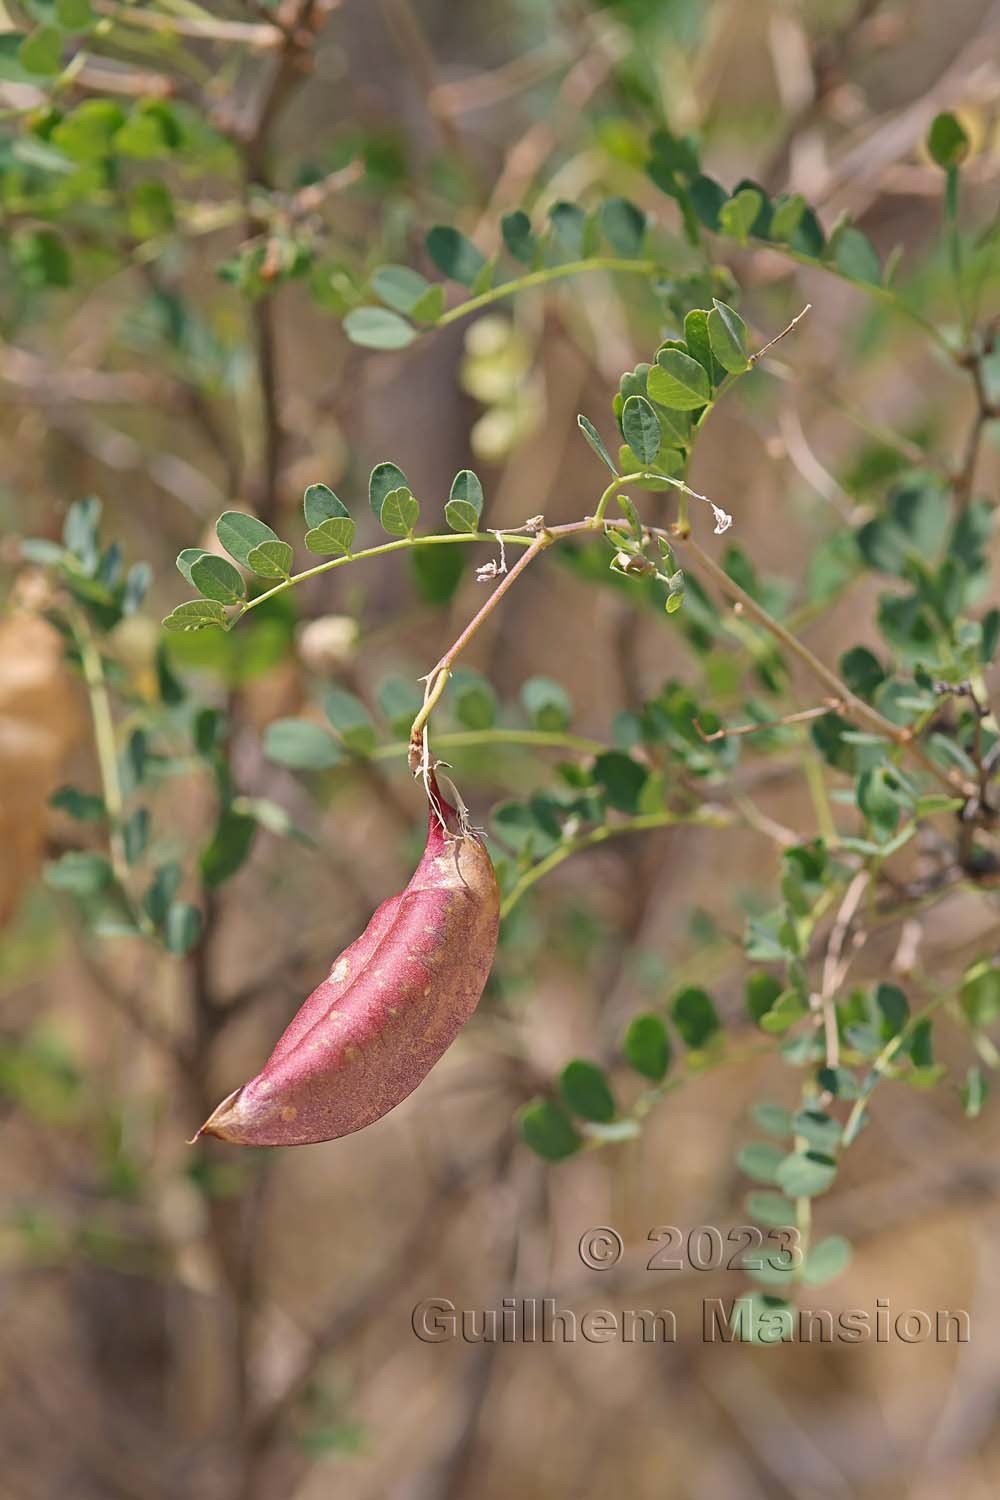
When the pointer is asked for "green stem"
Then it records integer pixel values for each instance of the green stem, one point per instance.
(597, 836)
(455, 538)
(400, 545)
(817, 790)
(597, 520)
(465, 739)
(803, 1215)
(104, 740)
(540, 278)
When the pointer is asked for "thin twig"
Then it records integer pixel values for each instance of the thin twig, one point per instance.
(834, 705)
(759, 354)
(965, 479)
(834, 968)
(261, 36)
(416, 53)
(854, 707)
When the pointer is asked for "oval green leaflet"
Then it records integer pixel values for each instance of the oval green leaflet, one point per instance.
(641, 428)
(465, 502)
(240, 534)
(271, 559)
(400, 512)
(331, 528)
(678, 381)
(195, 614)
(218, 579)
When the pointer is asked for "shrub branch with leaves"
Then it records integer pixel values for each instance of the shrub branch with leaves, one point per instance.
(906, 737)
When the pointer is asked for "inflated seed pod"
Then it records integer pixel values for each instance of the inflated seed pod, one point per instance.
(393, 1002)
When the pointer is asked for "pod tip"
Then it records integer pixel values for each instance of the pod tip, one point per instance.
(221, 1122)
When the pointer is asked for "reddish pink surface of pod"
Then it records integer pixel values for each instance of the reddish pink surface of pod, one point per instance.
(393, 1002)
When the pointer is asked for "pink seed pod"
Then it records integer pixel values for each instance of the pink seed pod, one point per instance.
(393, 1002)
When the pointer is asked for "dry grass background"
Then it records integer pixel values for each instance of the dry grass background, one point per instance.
(119, 1371)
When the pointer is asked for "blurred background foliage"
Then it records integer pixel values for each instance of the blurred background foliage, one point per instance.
(200, 213)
